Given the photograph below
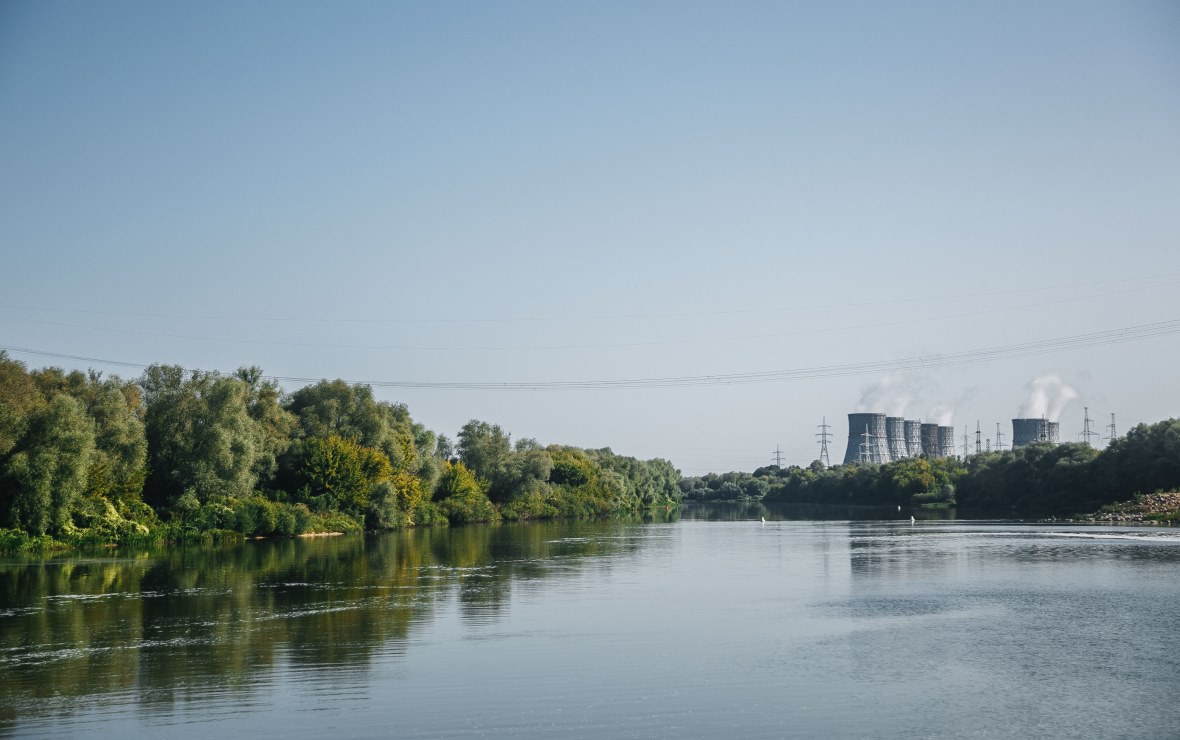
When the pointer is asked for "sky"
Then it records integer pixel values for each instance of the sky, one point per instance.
(491, 200)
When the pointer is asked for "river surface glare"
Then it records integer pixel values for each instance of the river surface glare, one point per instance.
(693, 629)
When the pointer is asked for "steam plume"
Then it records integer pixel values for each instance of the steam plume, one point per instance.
(889, 395)
(941, 415)
(1048, 396)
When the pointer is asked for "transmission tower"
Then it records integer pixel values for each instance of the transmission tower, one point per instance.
(988, 444)
(978, 439)
(1111, 434)
(866, 447)
(999, 438)
(1087, 430)
(778, 456)
(824, 436)
(966, 442)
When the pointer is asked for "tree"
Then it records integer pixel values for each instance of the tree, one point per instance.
(351, 412)
(484, 449)
(46, 476)
(19, 398)
(460, 496)
(340, 474)
(201, 437)
(274, 425)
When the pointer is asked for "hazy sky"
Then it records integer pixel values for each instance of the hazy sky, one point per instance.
(553, 191)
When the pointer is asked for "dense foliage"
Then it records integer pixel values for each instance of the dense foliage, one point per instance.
(177, 454)
(1038, 480)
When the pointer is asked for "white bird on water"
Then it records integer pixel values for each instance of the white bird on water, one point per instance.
(912, 520)
(763, 519)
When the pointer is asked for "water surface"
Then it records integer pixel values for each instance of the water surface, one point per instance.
(607, 629)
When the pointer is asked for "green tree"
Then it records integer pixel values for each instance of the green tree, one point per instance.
(19, 397)
(45, 476)
(340, 474)
(273, 424)
(201, 437)
(351, 412)
(484, 448)
(460, 496)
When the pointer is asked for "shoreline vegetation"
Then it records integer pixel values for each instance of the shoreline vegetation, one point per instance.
(1040, 481)
(190, 456)
(193, 456)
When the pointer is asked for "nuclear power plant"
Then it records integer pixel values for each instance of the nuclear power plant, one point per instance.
(877, 438)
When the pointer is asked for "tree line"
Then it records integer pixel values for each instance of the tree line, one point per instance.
(180, 453)
(1040, 480)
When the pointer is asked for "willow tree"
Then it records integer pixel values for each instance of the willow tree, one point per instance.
(335, 408)
(201, 437)
(19, 397)
(45, 474)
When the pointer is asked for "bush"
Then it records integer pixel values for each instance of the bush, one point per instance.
(531, 504)
(468, 508)
(324, 522)
(15, 540)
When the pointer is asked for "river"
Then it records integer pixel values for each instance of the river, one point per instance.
(689, 628)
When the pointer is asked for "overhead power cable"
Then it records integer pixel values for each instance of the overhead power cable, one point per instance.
(1078, 341)
(1042, 289)
(586, 346)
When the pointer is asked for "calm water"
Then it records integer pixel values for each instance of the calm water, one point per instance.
(687, 629)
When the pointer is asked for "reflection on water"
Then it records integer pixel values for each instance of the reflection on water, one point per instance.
(687, 628)
(163, 627)
(733, 511)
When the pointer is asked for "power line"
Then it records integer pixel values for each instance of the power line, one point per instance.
(1060, 344)
(590, 317)
(532, 347)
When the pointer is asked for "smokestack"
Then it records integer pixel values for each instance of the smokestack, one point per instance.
(913, 438)
(875, 444)
(895, 431)
(930, 446)
(946, 441)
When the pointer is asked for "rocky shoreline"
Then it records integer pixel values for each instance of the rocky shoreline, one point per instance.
(1147, 507)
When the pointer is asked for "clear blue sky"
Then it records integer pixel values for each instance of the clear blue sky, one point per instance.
(550, 191)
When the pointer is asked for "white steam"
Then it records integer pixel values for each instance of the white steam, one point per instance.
(1048, 396)
(889, 395)
(941, 415)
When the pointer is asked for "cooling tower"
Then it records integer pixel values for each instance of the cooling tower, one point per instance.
(913, 438)
(895, 434)
(930, 440)
(867, 430)
(1028, 431)
(946, 441)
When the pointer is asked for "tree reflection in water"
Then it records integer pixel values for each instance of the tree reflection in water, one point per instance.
(189, 623)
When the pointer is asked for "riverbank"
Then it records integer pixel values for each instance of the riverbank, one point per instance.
(1148, 507)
